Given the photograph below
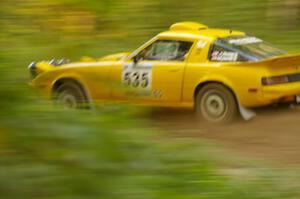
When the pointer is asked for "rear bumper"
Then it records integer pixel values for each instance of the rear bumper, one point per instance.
(282, 92)
(267, 95)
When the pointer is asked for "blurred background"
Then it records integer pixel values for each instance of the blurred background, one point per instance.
(122, 152)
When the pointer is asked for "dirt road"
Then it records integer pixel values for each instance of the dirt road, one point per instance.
(273, 135)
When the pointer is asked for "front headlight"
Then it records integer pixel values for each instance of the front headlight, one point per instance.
(32, 69)
(281, 79)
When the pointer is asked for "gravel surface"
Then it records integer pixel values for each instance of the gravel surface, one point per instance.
(273, 135)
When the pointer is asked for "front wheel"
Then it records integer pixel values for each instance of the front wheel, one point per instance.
(216, 103)
(70, 95)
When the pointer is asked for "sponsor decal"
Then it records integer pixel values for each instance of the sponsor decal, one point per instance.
(201, 44)
(244, 41)
(157, 94)
(224, 56)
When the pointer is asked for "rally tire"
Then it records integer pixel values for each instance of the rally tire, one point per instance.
(215, 103)
(70, 95)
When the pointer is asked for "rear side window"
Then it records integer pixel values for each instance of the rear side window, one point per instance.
(242, 48)
(220, 53)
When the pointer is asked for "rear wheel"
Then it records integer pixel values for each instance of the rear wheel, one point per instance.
(216, 103)
(70, 95)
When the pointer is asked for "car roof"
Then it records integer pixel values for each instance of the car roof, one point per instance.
(193, 30)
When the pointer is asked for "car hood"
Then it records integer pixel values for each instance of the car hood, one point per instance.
(114, 57)
(37, 68)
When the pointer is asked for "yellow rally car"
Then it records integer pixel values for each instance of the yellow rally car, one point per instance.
(219, 72)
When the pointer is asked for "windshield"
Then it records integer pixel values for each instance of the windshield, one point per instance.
(243, 48)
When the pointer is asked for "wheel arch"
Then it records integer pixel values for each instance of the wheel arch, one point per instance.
(202, 84)
(58, 82)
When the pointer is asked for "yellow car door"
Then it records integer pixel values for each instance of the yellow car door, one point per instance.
(167, 77)
(155, 74)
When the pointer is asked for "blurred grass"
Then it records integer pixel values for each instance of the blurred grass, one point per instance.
(47, 153)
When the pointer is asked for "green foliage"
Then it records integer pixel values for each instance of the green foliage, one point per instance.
(47, 153)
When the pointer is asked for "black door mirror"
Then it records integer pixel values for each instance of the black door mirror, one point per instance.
(137, 58)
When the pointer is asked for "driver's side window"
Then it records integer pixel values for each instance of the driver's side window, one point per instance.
(166, 50)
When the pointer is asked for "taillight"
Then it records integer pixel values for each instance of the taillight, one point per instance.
(282, 79)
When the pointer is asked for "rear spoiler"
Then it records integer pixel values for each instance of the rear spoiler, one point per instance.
(284, 60)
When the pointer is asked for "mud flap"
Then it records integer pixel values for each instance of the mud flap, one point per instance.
(246, 114)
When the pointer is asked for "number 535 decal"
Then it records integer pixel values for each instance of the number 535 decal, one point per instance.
(137, 76)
